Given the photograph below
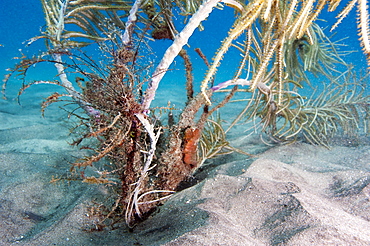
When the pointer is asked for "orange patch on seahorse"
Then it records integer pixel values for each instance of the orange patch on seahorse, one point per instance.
(191, 139)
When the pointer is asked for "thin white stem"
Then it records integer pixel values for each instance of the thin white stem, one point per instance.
(127, 36)
(180, 40)
(134, 198)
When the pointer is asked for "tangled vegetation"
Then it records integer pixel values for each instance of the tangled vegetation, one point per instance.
(146, 159)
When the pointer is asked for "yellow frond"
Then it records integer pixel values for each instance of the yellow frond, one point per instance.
(344, 13)
(363, 25)
(300, 19)
(243, 23)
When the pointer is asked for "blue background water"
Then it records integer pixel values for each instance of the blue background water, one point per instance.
(23, 19)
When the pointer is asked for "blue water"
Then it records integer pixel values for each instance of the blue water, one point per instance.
(22, 20)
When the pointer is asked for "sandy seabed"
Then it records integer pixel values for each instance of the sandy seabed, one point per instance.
(296, 194)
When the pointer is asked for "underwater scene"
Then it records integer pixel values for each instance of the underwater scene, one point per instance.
(185, 122)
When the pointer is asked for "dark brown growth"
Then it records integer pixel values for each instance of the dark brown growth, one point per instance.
(162, 32)
(124, 140)
(189, 75)
(116, 129)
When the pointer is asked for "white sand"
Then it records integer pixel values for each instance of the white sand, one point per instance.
(293, 195)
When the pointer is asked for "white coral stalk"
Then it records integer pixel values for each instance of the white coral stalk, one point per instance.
(127, 36)
(180, 40)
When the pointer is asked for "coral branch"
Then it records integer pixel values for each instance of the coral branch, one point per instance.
(133, 204)
(261, 86)
(180, 40)
(71, 90)
(364, 28)
(127, 36)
